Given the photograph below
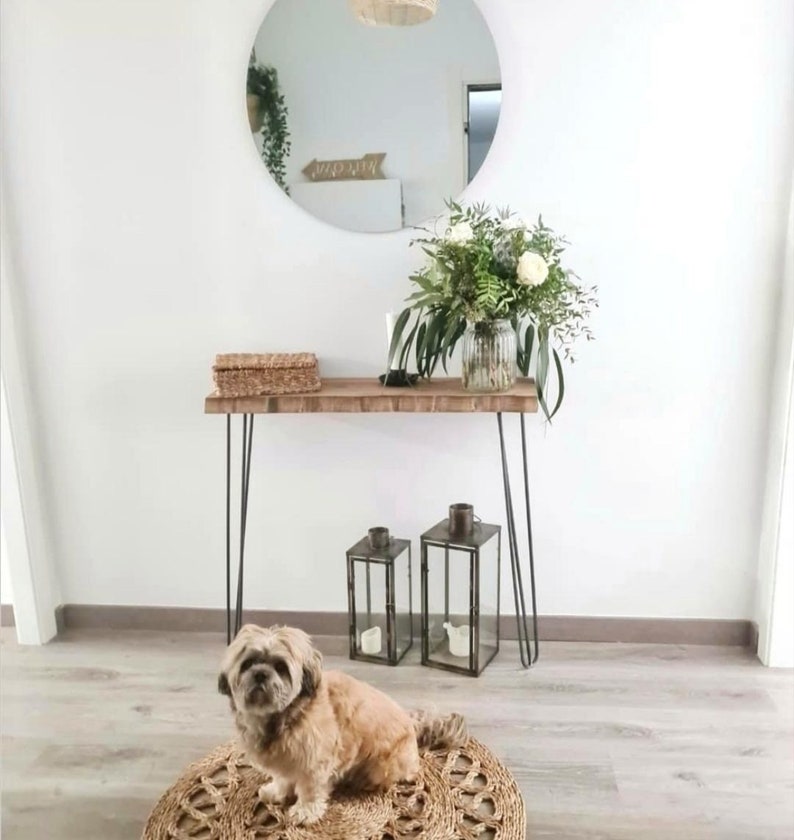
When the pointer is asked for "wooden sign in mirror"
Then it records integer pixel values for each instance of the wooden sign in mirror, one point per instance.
(366, 168)
(372, 128)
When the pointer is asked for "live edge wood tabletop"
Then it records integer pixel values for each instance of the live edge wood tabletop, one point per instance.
(361, 395)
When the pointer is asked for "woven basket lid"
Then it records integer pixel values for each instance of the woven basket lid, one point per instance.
(264, 361)
(461, 794)
(393, 12)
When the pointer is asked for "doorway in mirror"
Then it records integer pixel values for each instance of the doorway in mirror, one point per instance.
(483, 104)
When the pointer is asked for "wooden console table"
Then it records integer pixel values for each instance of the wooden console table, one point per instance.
(369, 396)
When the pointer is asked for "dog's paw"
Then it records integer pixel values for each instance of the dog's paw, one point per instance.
(271, 792)
(305, 813)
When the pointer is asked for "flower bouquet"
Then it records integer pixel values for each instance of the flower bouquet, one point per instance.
(498, 283)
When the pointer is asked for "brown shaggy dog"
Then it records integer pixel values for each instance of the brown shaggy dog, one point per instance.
(313, 731)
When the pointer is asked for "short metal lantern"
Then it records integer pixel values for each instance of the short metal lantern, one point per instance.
(460, 603)
(379, 597)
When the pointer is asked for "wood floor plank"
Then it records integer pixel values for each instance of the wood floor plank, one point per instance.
(618, 742)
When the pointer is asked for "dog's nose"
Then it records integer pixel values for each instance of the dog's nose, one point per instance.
(260, 677)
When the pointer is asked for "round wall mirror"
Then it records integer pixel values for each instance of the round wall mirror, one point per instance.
(372, 127)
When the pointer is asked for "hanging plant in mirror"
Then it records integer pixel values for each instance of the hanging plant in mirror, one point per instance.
(267, 115)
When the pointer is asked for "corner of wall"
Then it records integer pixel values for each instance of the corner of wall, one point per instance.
(778, 450)
(30, 563)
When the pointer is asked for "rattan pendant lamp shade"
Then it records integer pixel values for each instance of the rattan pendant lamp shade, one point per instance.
(393, 12)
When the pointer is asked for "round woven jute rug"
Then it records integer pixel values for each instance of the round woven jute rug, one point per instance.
(461, 794)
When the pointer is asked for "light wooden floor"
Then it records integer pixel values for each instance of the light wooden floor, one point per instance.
(606, 741)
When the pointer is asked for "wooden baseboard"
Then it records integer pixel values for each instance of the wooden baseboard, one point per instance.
(752, 642)
(6, 615)
(562, 628)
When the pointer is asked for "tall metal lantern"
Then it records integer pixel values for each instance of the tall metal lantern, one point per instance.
(460, 592)
(379, 597)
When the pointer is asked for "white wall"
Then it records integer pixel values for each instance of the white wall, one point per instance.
(6, 593)
(28, 555)
(774, 608)
(657, 136)
(780, 650)
(353, 89)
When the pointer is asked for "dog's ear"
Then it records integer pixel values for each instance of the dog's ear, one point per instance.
(223, 685)
(312, 673)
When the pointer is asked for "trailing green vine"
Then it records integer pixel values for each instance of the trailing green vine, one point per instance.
(263, 83)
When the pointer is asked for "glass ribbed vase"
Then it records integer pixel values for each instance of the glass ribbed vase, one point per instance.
(489, 356)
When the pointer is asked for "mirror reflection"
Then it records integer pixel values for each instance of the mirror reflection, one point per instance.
(483, 105)
(372, 128)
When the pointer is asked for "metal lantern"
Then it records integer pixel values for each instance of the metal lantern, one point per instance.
(460, 592)
(379, 597)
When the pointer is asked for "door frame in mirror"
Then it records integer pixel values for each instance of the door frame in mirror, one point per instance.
(468, 87)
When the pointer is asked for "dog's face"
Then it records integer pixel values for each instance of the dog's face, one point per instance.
(265, 670)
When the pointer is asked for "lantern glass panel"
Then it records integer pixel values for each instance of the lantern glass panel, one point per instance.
(449, 579)
(402, 602)
(370, 608)
(489, 599)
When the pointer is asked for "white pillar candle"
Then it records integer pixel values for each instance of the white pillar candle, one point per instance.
(391, 319)
(370, 641)
(458, 639)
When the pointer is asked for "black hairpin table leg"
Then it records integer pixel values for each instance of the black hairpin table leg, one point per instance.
(245, 477)
(530, 544)
(228, 528)
(524, 646)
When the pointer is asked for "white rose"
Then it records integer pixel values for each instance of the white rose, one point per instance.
(514, 223)
(460, 233)
(532, 269)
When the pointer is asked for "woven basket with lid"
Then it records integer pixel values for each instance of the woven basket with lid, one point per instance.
(252, 374)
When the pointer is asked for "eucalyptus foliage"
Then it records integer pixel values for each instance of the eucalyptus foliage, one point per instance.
(489, 265)
(263, 83)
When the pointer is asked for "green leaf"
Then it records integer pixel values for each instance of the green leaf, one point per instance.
(450, 339)
(542, 373)
(560, 381)
(457, 336)
(525, 349)
(406, 351)
(429, 344)
(425, 282)
(434, 349)
(529, 341)
(420, 346)
(399, 326)
(443, 319)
